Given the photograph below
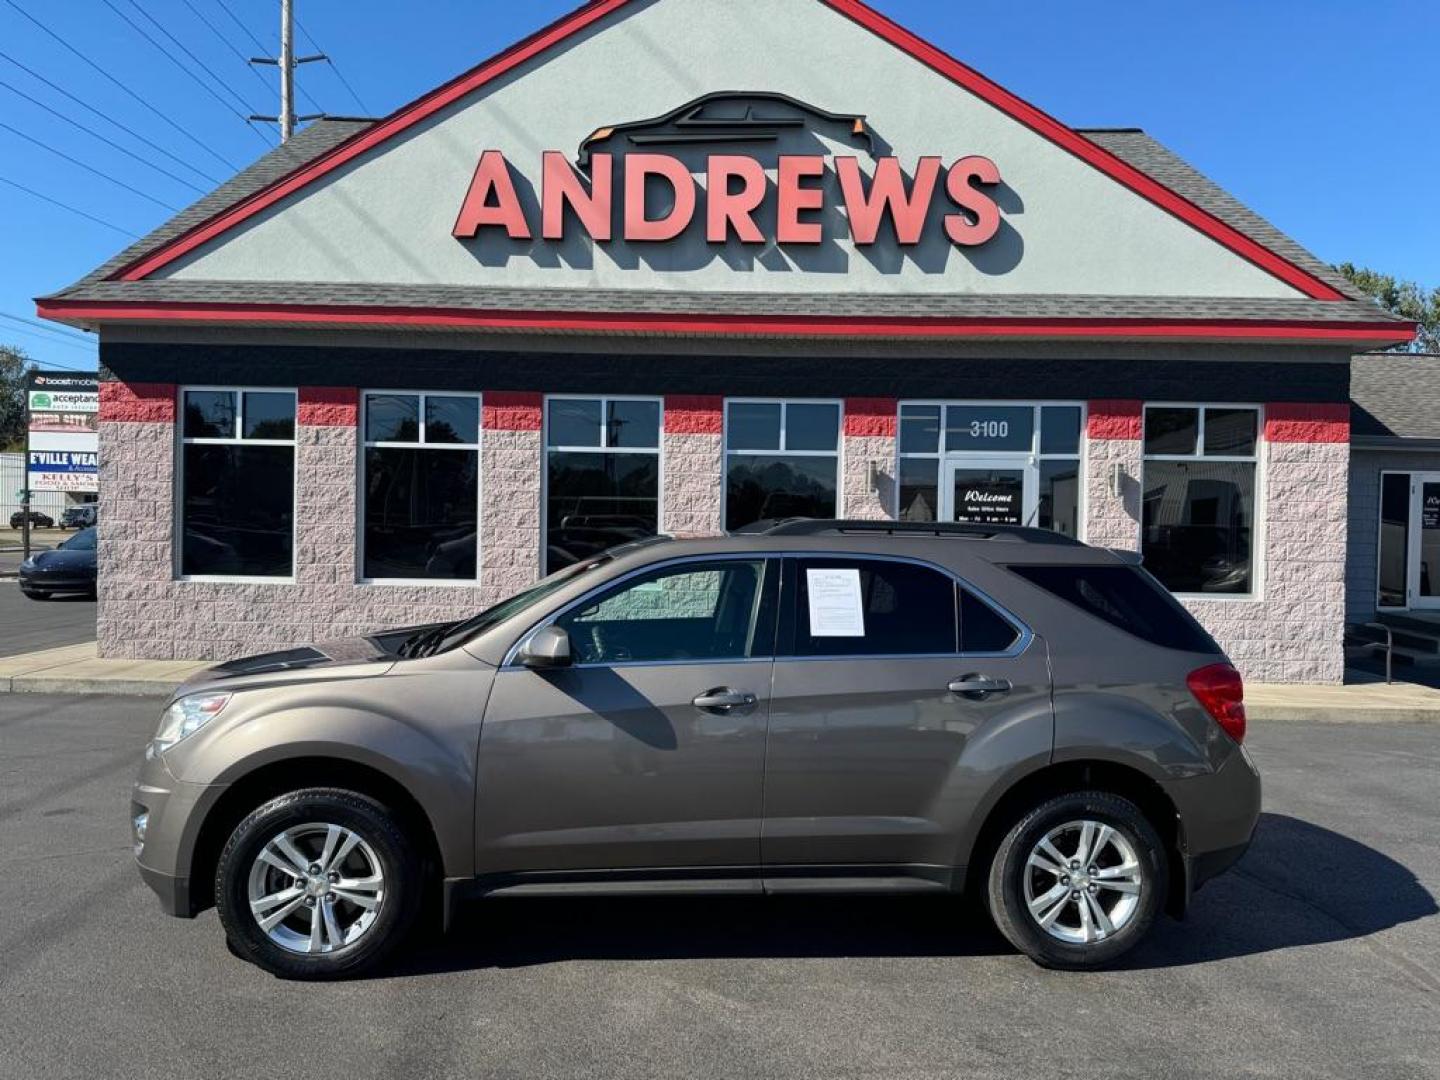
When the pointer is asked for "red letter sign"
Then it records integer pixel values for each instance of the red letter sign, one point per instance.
(794, 199)
(982, 207)
(725, 208)
(492, 176)
(563, 187)
(887, 195)
(637, 168)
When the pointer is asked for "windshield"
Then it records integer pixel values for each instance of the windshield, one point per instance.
(81, 541)
(519, 602)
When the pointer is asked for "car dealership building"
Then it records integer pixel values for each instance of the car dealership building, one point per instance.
(675, 266)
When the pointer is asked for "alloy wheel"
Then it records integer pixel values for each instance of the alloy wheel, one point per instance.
(1082, 882)
(316, 888)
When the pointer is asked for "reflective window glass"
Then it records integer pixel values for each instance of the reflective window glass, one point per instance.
(753, 425)
(210, 414)
(269, 415)
(392, 418)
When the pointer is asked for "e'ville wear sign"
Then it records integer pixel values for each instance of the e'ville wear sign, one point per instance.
(64, 443)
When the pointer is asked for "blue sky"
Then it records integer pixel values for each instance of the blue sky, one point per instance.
(1317, 113)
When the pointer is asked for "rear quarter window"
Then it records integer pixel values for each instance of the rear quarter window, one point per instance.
(1125, 597)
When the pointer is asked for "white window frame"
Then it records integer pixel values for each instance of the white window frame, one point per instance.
(363, 444)
(726, 451)
(1258, 459)
(182, 440)
(940, 455)
(545, 449)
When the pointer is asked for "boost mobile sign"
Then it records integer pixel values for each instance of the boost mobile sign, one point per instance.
(62, 436)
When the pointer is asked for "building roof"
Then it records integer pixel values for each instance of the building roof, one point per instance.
(123, 289)
(1394, 396)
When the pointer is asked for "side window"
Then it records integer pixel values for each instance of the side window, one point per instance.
(982, 628)
(699, 611)
(870, 607)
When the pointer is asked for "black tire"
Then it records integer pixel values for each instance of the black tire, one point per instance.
(379, 829)
(1005, 895)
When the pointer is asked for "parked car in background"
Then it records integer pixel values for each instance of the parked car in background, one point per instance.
(37, 520)
(811, 706)
(78, 517)
(70, 568)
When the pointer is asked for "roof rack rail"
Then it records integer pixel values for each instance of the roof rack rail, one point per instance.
(960, 530)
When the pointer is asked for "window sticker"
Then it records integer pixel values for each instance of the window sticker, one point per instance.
(836, 609)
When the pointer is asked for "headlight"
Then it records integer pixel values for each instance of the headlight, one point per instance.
(185, 717)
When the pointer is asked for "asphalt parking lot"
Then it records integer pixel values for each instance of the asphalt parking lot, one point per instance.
(1318, 957)
(27, 625)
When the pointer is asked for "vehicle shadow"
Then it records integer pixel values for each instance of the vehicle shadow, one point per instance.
(1300, 884)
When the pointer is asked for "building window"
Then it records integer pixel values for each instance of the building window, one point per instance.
(420, 489)
(1394, 572)
(1198, 514)
(1029, 454)
(602, 475)
(237, 483)
(782, 460)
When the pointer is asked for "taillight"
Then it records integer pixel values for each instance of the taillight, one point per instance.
(1220, 690)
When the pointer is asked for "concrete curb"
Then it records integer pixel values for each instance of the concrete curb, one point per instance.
(1308, 714)
(60, 684)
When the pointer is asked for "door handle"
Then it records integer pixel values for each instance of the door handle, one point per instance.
(723, 699)
(978, 687)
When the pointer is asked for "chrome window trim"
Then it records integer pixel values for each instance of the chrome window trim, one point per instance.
(1022, 641)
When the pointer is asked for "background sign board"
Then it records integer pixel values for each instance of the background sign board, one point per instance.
(1430, 507)
(63, 408)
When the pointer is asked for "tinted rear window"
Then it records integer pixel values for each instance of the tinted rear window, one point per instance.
(1126, 597)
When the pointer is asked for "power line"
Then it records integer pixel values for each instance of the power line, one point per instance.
(226, 41)
(171, 57)
(66, 206)
(106, 117)
(88, 168)
(52, 341)
(334, 67)
(183, 131)
(244, 105)
(50, 328)
(244, 26)
(108, 142)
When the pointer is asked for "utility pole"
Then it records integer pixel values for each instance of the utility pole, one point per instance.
(287, 62)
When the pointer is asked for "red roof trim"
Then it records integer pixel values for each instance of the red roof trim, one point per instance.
(556, 33)
(727, 325)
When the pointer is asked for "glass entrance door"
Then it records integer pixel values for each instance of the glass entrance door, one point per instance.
(989, 491)
(1425, 561)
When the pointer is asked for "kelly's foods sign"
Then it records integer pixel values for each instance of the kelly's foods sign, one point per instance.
(64, 439)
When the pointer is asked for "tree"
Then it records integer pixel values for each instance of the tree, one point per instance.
(1407, 299)
(15, 368)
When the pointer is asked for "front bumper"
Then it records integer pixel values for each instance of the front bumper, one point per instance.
(57, 582)
(175, 810)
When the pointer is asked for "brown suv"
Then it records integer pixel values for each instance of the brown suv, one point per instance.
(810, 706)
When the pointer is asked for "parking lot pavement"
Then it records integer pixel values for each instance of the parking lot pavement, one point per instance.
(27, 625)
(1316, 958)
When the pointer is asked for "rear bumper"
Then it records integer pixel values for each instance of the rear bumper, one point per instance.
(1218, 814)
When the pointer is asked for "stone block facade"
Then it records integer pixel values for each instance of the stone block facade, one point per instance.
(1289, 632)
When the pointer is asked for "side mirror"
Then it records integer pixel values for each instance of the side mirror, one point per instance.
(548, 647)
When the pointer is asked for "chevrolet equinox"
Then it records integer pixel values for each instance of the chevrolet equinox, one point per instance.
(808, 706)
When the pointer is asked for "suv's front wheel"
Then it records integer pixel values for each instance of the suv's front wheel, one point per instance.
(1078, 880)
(317, 884)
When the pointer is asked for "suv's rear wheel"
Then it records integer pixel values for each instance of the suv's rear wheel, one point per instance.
(317, 884)
(1078, 880)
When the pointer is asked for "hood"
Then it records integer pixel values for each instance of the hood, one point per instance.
(341, 658)
(62, 558)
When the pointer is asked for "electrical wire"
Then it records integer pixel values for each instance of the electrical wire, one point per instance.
(50, 328)
(95, 134)
(227, 43)
(334, 67)
(52, 341)
(88, 168)
(66, 206)
(172, 58)
(169, 120)
(106, 117)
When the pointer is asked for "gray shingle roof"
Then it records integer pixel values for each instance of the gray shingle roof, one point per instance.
(1395, 395)
(1134, 147)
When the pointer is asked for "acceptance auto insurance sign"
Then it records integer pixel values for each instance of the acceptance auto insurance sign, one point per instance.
(64, 443)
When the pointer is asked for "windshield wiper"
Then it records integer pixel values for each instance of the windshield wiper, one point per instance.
(422, 643)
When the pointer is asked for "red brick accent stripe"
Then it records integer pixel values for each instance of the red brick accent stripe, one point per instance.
(871, 416)
(1307, 422)
(694, 414)
(137, 403)
(1115, 419)
(512, 411)
(329, 406)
